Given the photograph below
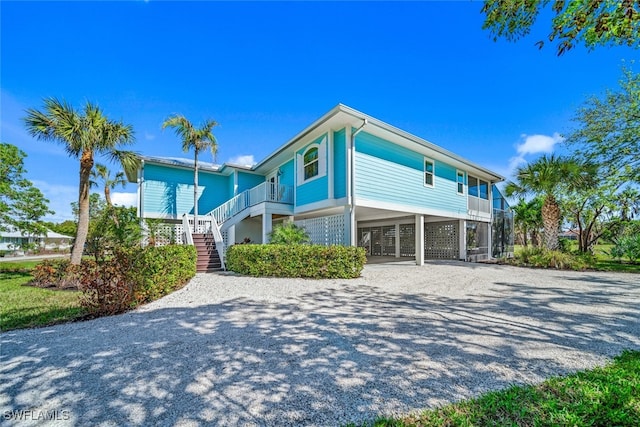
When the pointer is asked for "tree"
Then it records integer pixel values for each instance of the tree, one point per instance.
(68, 227)
(96, 207)
(102, 173)
(115, 226)
(84, 134)
(198, 139)
(608, 129)
(594, 23)
(289, 234)
(528, 219)
(548, 177)
(22, 206)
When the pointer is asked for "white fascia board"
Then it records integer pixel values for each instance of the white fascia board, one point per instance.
(323, 204)
(409, 210)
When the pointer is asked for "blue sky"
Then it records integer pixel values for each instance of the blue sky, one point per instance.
(266, 70)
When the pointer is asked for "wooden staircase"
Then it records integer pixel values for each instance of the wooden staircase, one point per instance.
(208, 258)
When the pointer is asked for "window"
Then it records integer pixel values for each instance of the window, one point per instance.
(460, 181)
(484, 190)
(473, 186)
(478, 188)
(311, 163)
(428, 172)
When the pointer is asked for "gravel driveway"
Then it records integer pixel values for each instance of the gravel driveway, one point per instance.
(229, 350)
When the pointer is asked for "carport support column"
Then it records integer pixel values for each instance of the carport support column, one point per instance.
(463, 240)
(231, 235)
(267, 225)
(419, 239)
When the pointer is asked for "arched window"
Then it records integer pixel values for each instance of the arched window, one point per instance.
(311, 163)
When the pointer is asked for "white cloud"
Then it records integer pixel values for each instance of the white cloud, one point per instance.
(124, 199)
(242, 160)
(149, 137)
(533, 144)
(60, 198)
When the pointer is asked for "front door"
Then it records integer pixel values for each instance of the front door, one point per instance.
(272, 187)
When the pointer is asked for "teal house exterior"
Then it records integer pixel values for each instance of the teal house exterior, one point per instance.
(348, 179)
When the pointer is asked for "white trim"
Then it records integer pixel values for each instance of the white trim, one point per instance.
(235, 183)
(330, 165)
(349, 153)
(322, 161)
(322, 204)
(376, 204)
(433, 172)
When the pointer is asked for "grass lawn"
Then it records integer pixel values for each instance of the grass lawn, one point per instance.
(25, 306)
(608, 396)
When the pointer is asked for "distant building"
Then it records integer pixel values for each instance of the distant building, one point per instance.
(14, 240)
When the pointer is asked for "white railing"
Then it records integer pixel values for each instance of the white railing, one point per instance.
(214, 229)
(265, 192)
(187, 238)
(479, 205)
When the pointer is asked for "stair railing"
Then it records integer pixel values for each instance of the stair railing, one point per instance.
(214, 229)
(264, 192)
(187, 237)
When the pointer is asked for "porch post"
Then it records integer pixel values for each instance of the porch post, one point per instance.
(397, 240)
(267, 225)
(419, 239)
(463, 240)
(347, 227)
(231, 235)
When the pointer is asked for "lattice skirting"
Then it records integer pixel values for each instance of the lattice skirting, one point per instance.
(326, 230)
(166, 234)
(441, 240)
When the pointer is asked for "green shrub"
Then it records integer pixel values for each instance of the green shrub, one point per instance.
(160, 270)
(135, 276)
(543, 258)
(131, 276)
(627, 247)
(310, 261)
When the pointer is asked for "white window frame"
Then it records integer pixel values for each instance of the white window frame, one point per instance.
(433, 172)
(322, 162)
(316, 160)
(464, 184)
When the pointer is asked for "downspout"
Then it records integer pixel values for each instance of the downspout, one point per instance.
(352, 181)
(141, 191)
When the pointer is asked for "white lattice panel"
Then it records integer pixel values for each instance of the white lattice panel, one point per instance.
(166, 234)
(326, 230)
(441, 240)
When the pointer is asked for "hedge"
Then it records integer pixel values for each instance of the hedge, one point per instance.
(310, 261)
(132, 276)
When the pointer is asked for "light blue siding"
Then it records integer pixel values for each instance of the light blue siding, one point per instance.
(288, 173)
(247, 181)
(316, 189)
(394, 174)
(340, 164)
(169, 191)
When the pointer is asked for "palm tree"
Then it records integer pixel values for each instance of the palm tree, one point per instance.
(84, 134)
(198, 139)
(528, 219)
(102, 173)
(548, 177)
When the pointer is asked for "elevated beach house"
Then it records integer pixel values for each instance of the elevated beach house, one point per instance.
(349, 179)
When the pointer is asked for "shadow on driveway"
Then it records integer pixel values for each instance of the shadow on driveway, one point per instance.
(324, 357)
